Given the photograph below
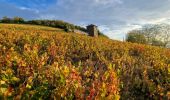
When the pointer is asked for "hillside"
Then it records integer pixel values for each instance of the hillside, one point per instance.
(66, 26)
(42, 62)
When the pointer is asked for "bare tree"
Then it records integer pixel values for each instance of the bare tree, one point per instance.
(157, 34)
(164, 33)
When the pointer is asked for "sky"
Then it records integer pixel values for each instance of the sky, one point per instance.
(113, 17)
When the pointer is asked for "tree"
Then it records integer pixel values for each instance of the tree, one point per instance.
(157, 35)
(6, 20)
(136, 36)
(158, 43)
(18, 20)
(164, 33)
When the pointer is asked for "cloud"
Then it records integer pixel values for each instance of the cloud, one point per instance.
(32, 4)
(114, 17)
(106, 2)
(86, 11)
(10, 10)
(118, 32)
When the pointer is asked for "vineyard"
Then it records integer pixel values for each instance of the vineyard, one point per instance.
(47, 63)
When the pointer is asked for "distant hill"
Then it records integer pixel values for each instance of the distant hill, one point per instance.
(68, 27)
(39, 62)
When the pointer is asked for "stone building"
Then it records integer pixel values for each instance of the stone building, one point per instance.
(92, 30)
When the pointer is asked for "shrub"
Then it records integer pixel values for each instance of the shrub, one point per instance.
(43, 64)
(136, 37)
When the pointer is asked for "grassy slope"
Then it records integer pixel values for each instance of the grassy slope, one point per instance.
(27, 27)
(143, 70)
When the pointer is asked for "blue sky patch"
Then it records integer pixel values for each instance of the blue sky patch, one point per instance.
(33, 4)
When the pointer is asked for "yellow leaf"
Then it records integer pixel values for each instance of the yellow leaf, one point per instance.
(2, 82)
(15, 79)
(28, 86)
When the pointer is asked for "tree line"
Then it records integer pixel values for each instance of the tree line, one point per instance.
(52, 23)
(156, 35)
(68, 27)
